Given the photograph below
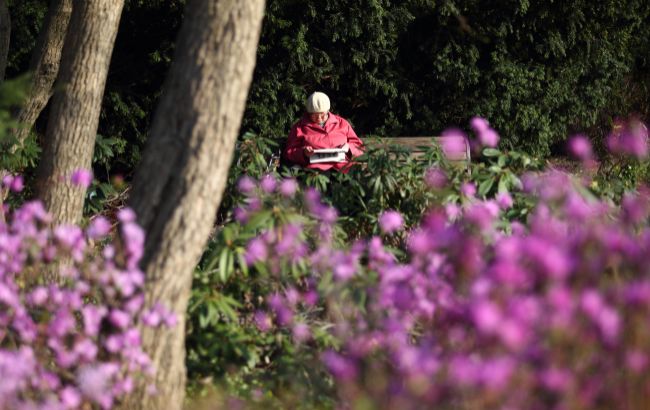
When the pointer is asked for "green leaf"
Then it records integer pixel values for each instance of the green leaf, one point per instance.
(485, 186)
(259, 219)
(503, 184)
(491, 152)
(223, 264)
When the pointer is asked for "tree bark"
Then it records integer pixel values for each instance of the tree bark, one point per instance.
(73, 121)
(44, 65)
(5, 36)
(179, 184)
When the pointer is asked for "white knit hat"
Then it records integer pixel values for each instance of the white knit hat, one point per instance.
(318, 102)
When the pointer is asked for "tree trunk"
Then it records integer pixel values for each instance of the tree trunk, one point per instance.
(5, 35)
(72, 124)
(179, 184)
(44, 65)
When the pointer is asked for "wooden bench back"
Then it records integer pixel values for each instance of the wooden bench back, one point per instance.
(455, 148)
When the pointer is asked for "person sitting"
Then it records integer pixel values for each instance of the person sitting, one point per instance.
(320, 129)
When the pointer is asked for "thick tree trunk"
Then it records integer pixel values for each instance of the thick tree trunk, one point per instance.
(179, 184)
(44, 65)
(72, 125)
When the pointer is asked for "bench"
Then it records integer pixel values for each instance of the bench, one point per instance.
(455, 148)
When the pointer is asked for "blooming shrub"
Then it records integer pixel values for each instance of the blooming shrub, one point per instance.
(69, 309)
(550, 315)
(513, 291)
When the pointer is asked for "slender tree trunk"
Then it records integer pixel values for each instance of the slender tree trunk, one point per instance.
(5, 36)
(44, 65)
(179, 184)
(72, 125)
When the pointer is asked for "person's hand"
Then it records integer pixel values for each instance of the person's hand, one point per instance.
(308, 151)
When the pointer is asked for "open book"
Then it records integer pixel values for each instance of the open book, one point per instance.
(327, 155)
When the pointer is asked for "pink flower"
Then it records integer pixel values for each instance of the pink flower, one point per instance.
(256, 250)
(479, 124)
(17, 184)
(70, 398)
(390, 221)
(468, 189)
(300, 332)
(504, 200)
(488, 138)
(268, 184)
(126, 215)
(119, 318)
(94, 382)
(580, 147)
(435, 178)
(246, 185)
(262, 321)
(82, 178)
(288, 187)
(99, 227)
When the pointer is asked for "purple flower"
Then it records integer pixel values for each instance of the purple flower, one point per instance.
(341, 367)
(246, 185)
(125, 215)
(17, 184)
(82, 178)
(256, 251)
(262, 321)
(94, 382)
(288, 187)
(487, 316)
(504, 200)
(435, 178)
(390, 221)
(92, 318)
(69, 236)
(631, 139)
(268, 183)
(99, 227)
(556, 379)
(479, 124)
(454, 133)
(488, 138)
(580, 147)
(300, 332)
(119, 318)
(70, 398)
(468, 189)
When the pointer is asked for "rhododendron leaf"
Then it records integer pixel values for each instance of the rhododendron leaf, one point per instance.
(223, 264)
(227, 233)
(259, 219)
(241, 261)
(503, 184)
(491, 152)
(485, 186)
(502, 160)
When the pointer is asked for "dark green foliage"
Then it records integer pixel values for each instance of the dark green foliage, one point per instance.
(14, 157)
(143, 52)
(536, 70)
(27, 18)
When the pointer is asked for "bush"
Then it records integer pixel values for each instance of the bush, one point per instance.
(70, 309)
(515, 288)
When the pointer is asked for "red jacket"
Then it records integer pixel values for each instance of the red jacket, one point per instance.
(336, 132)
